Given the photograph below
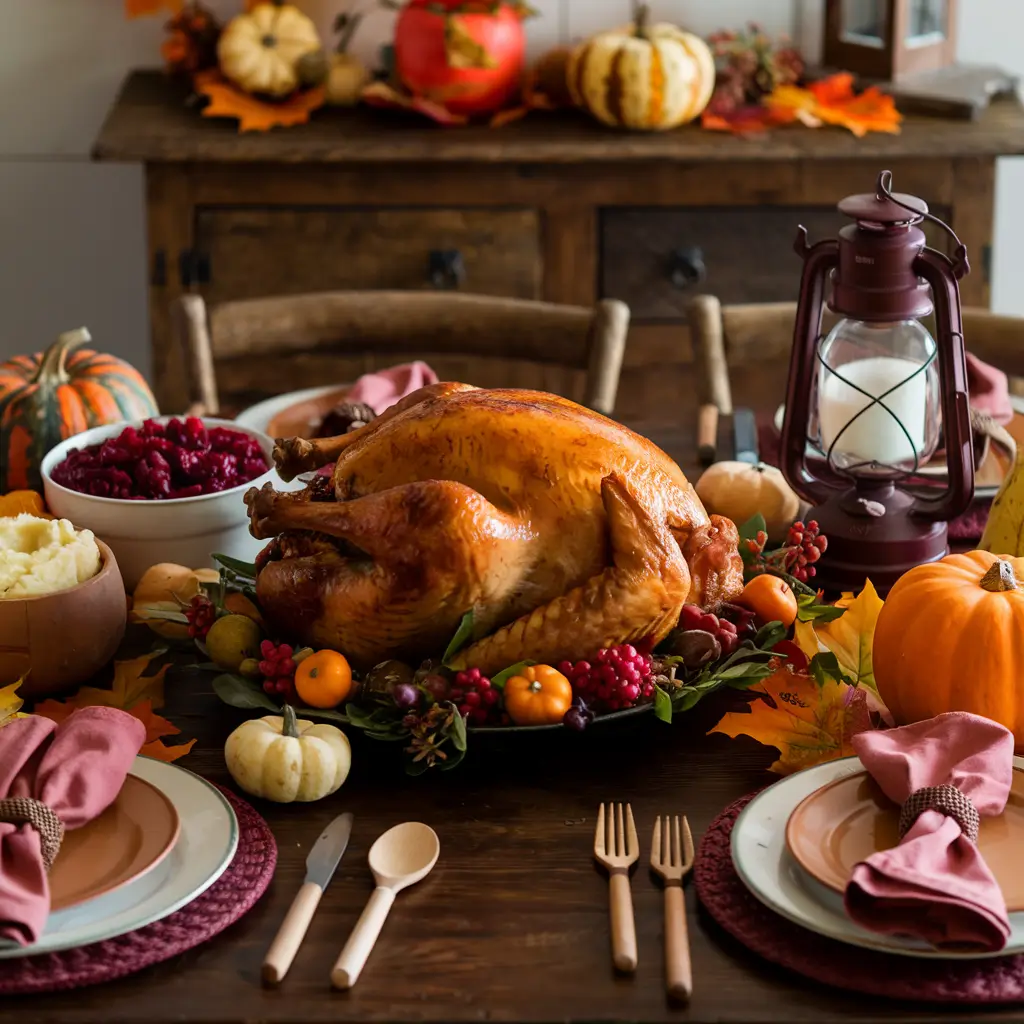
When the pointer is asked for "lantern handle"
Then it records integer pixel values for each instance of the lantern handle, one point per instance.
(819, 261)
(960, 265)
(938, 270)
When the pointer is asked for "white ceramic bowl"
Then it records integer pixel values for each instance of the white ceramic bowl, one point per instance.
(187, 531)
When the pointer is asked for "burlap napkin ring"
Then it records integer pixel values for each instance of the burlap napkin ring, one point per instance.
(24, 810)
(947, 800)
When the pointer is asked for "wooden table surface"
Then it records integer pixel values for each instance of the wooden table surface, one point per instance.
(512, 925)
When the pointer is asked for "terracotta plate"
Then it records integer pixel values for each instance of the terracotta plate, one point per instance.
(848, 820)
(127, 840)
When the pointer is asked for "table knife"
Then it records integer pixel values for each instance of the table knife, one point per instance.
(744, 429)
(321, 863)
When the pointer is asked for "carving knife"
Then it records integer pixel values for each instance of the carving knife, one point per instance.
(321, 863)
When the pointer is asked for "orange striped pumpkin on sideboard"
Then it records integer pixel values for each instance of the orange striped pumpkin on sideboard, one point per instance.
(53, 395)
(647, 77)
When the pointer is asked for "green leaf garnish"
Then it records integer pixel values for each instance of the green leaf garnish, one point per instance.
(808, 609)
(663, 705)
(462, 634)
(241, 693)
(824, 666)
(247, 570)
(507, 673)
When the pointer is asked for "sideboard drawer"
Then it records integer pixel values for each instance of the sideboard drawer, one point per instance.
(260, 251)
(656, 260)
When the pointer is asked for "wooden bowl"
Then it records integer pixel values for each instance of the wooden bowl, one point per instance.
(301, 419)
(57, 641)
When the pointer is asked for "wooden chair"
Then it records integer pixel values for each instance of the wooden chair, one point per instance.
(726, 338)
(240, 351)
(752, 336)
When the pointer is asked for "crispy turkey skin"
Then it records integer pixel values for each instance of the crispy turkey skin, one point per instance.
(562, 530)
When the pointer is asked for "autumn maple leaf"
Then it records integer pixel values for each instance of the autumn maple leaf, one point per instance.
(10, 703)
(140, 8)
(807, 721)
(850, 637)
(131, 691)
(254, 114)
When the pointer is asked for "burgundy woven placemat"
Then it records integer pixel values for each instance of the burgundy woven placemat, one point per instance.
(729, 902)
(231, 896)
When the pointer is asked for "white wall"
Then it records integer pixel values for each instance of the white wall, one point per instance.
(72, 232)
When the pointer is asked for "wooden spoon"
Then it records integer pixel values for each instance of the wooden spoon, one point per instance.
(399, 858)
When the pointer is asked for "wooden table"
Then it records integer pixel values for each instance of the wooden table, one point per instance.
(512, 925)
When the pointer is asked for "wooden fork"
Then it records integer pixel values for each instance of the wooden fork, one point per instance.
(672, 858)
(616, 848)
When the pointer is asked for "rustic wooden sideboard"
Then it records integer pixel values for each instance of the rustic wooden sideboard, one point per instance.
(552, 207)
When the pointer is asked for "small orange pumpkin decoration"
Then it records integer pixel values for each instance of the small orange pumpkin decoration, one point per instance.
(539, 695)
(950, 637)
(324, 679)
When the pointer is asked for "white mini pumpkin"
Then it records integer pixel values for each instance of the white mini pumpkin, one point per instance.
(260, 50)
(739, 490)
(284, 759)
(651, 77)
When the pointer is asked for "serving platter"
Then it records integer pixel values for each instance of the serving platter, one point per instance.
(772, 875)
(205, 846)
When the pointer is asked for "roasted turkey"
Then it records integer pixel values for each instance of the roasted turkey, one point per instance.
(561, 530)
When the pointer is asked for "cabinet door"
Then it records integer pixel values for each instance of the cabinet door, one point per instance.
(264, 251)
(655, 260)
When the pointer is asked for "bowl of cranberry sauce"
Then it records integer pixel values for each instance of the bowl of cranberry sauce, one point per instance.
(168, 489)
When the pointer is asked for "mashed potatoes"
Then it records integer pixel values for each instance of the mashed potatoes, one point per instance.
(40, 556)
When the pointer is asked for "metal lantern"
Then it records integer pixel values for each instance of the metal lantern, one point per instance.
(865, 404)
(889, 39)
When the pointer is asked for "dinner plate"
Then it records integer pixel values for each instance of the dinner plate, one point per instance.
(206, 844)
(132, 836)
(769, 871)
(259, 416)
(848, 820)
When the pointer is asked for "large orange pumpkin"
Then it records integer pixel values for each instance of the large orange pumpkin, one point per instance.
(50, 396)
(950, 637)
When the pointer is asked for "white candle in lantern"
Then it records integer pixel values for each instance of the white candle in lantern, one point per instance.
(874, 436)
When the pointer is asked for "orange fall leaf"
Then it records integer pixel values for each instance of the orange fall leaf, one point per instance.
(134, 693)
(807, 723)
(254, 114)
(140, 8)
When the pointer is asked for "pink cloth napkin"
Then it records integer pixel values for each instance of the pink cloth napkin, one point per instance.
(989, 390)
(381, 390)
(77, 769)
(935, 885)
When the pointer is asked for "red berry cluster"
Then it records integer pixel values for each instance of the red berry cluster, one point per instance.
(201, 613)
(725, 632)
(617, 678)
(806, 545)
(278, 671)
(475, 697)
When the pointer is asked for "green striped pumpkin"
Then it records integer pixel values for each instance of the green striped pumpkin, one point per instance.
(55, 394)
(647, 77)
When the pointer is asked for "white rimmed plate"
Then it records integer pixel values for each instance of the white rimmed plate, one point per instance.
(205, 847)
(772, 875)
(258, 416)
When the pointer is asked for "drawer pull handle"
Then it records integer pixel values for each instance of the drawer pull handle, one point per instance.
(686, 267)
(446, 269)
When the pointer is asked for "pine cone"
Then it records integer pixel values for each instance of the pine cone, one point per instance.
(345, 416)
